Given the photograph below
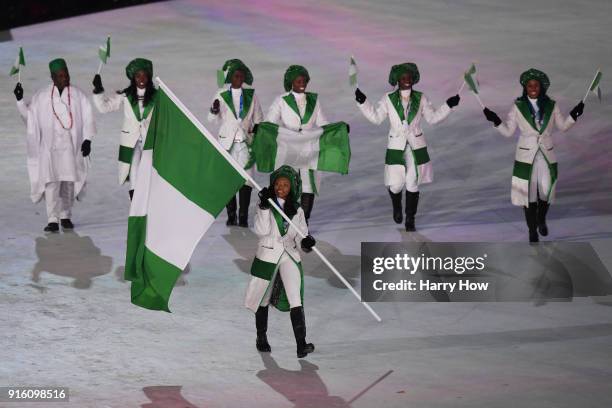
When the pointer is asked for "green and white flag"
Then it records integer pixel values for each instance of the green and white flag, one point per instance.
(220, 78)
(184, 181)
(326, 148)
(19, 62)
(595, 85)
(470, 79)
(104, 51)
(353, 72)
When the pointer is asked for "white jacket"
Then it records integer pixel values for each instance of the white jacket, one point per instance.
(271, 243)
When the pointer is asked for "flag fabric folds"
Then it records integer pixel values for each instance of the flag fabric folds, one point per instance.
(104, 51)
(184, 182)
(19, 62)
(326, 148)
(595, 85)
(353, 72)
(470, 79)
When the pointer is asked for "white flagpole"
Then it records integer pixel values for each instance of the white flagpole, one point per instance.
(479, 100)
(461, 87)
(99, 67)
(589, 89)
(244, 174)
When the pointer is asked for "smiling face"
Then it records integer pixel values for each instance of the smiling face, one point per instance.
(533, 88)
(282, 187)
(141, 78)
(61, 79)
(237, 79)
(299, 84)
(405, 81)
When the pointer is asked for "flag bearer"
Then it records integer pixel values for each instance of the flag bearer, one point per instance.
(534, 176)
(138, 100)
(407, 163)
(277, 275)
(238, 111)
(60, 126)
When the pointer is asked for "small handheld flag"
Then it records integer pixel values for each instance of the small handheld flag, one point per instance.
(595, 86)
(19, 62)
(469, 78)
(104, 53)
(220, 78)
(353, 72)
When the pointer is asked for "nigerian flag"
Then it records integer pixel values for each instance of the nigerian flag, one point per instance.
(19, 62)
(326, 148)
(595, 85)
(470, 79)
(104, 51)
(353, 72)
(184, 181)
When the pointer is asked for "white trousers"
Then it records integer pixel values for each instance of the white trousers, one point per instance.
(292, 281)
(59, 198)
(307, 186)
(240, 152)
(136, 155)
(540, 181)
(411, 180)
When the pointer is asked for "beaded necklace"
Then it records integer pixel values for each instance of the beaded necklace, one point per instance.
(69, 110)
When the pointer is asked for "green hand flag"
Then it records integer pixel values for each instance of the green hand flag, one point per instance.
(104, 51)
(19, 62)
(470, 78)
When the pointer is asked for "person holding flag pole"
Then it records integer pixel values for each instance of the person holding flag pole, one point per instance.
(407, 163)
(534, 177)
(238, 111)
(138, 100)
(185, 179)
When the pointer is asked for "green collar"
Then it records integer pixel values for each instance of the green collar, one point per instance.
(523, 107)
(147, 109)
(415, 102)
(280, 222)
(247, 95)
(311, 101)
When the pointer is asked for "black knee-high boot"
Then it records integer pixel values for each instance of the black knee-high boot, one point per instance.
(244, 199)
(307, 202)
(299, 330)
(231, 212)
(542, 210)
(531, 217)
(261, 324)
(412, 202)
(396, 199)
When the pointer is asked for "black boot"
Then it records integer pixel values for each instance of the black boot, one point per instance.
(52, 227)
(542, 210)
(412, 202)
(261, 323)
(131, 193)
(66, 224)
(231, 212)
(307, 201)
(396, 199)
(299, 330)
(531, 217)
(244, 199)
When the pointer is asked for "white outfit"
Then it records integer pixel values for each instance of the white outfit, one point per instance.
(282, 250)
(282, 114)
(534, 152)
(133, 132)
(406, 136)
(57, 124)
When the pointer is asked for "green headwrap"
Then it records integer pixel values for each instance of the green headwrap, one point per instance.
(293, 72)
(294, 180)
(536, 74)
(139, 64)
(57, 65)
(398, 70)
(234, 65)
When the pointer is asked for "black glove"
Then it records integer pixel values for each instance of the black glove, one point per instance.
(86, 148)
(18, 91)
(264, 195)
(215, 108)
(453, 101)
(492, 117)
(348, 128)
(359, 96)
(307, 243)
(255, 127)
(577, 111)
(97, 83)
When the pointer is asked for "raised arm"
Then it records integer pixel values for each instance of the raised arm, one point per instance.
(103, 103)
(564, 123)
(375, 115)
(22, 106)
(432, 115)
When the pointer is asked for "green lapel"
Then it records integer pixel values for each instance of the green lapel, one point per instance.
(311, 102)
(147, 109)
(521, 104)
(247, 99)
(227, 97)
(280, 222)
(415, 102)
